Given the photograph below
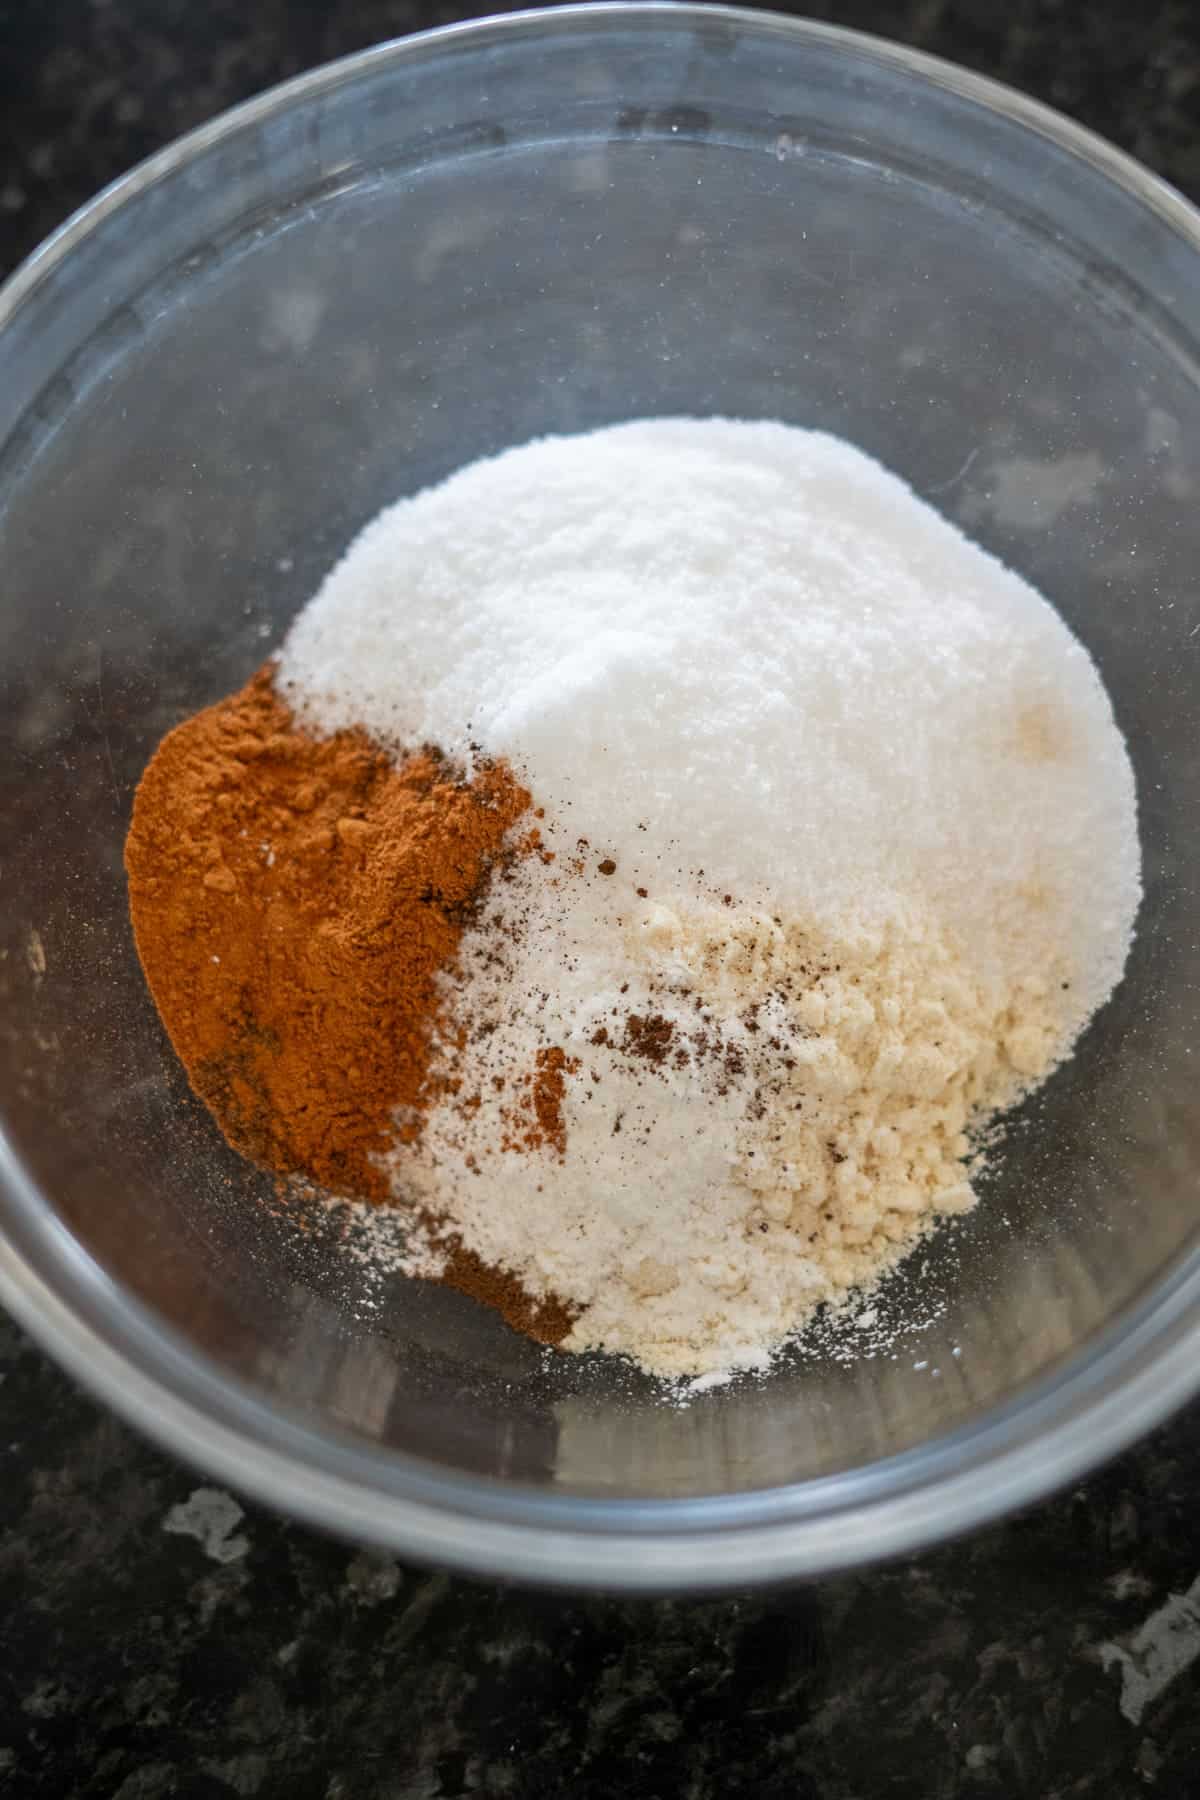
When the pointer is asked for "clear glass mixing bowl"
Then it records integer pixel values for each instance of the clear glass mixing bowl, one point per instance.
(211, 378)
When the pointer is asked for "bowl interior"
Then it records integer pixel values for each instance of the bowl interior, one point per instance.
(431, 255)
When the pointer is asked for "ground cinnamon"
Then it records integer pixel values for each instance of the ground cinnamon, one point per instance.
(536, 1121)
(294, 901)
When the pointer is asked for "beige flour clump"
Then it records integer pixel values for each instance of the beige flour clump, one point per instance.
(873, 1053)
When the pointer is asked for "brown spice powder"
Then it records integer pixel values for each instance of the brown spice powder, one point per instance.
(546, 1321)
(534, 1120)
(650, 1038)
(293, 901)
(549, 1092)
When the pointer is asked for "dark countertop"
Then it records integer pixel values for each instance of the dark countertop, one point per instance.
(214, 1651)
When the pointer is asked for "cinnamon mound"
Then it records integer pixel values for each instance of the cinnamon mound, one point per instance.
(293, 901)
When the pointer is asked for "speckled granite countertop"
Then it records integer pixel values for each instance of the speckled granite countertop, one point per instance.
(158, 1640)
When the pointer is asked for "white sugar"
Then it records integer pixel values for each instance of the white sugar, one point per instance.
(749, 649)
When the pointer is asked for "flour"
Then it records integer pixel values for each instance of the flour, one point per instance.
(787, 1118)
(845, 857)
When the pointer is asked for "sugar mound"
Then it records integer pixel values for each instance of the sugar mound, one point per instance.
(749, 650)
(845, 857)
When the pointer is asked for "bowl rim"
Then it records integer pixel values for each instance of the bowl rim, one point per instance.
(1117, 1385)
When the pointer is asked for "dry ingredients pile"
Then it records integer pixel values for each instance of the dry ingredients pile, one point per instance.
(651, 860)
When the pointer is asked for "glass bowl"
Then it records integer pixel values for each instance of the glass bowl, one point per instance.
(211, 377)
